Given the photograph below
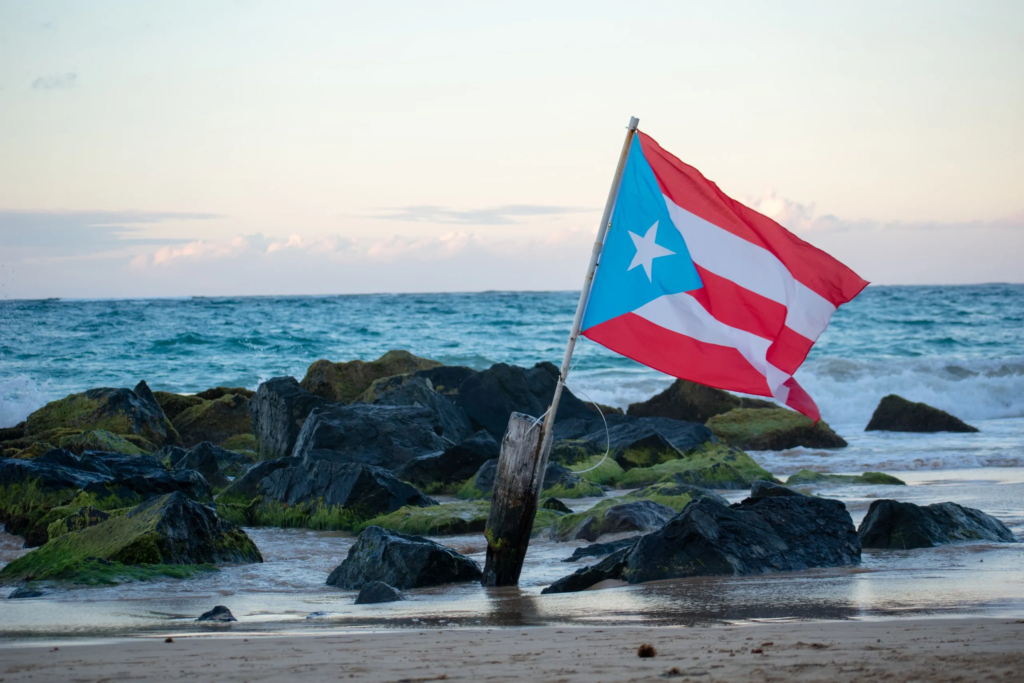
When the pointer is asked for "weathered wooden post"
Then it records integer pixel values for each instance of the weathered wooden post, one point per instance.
(527, 442)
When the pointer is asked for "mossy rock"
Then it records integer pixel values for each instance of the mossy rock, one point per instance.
(175, 404)
(599, 470)
(82, 518)
(774, 429)
(713, 466)
(692, 402)
(263, 512)
(344, 382)
(559, 482)
(126, 412)
(241, 443)
(809, 477)
(98, 440)
(897, 414)
(214, 421)
(449, 519)
(218, 392)
(166, 530)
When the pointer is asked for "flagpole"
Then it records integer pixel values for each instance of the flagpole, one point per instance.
(524, 449)
(581, 306)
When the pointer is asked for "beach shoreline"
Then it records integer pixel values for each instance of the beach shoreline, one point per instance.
(932, 649)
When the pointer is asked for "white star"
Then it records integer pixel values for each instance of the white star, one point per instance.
(647, 250)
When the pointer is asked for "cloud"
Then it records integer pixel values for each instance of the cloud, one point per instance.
(62, 233)
(55, 82)
(508, 214)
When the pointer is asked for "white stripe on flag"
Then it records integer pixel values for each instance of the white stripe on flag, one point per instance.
(753, 268)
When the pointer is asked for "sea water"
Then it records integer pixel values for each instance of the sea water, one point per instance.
(957, 348)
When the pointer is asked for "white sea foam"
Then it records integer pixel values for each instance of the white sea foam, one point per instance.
(20, 396)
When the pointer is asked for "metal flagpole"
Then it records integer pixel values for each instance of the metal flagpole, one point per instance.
(524, 448)
(588, 282)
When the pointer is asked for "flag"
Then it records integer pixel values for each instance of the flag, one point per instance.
(696, 285)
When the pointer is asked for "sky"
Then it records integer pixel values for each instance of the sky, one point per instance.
(234, 148)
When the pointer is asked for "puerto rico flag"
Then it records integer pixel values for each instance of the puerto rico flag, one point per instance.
(700, 287)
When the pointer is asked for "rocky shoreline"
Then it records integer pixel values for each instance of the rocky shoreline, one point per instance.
(128, 484)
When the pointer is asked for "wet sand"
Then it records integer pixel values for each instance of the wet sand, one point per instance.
(970, 649)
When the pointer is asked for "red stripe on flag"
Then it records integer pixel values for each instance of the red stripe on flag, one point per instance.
(678, 355)
(789, 350)
(690, 190)
(800, 401)
(738, 307)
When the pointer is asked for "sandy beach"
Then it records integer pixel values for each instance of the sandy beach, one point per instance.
(971, 649)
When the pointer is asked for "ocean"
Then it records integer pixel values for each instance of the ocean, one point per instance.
(957, 348)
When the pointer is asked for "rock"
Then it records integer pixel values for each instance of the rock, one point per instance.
(218, 392)
(637, 515)
(39, 489)
(707, 538)
(810, 477)
(401, 561)
(363, 489)
(168, 530)
(445, 380)
(25, 592)
(454, 465)
(712, 466)
(170, 455)
(600, 549)
(775, 429)
(376, 592)
(241, 443)
(83, 518)
(175, 404)
(127, 412)
(203, 459)
(246, 487)
(450, 519)
(692, 402)
(383, 436)
(897, 414)
(344, 382)
(419, 392)
(491, 396)
(903, 526)
(556, 505)
(220, 614)
(769, 489)
(12, 433)
(589, 525)
(214, 421)
(98, 440)
(559, 482)
(229, 462)
(634, 441)
(278, 410)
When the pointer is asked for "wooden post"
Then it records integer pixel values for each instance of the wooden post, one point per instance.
(525, 448)
(513, 502)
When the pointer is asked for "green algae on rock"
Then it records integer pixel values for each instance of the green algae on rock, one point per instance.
(712, 466)
(168, 530)
(692, 402)
(215, 421)
(265, 512)
(449, 519)
(810, 477)
(100, 440)
(772, 429)
(175, 404)
(344, 382)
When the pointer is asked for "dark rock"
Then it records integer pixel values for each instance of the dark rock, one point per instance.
(278, 410)
(557, 478)
(214, 421)
(203, 459)
(99, 440)
(170, 455)
(774, 429)
(401, 561)
(447, 379)
(170, 529)
(637, 515)
(809, 477)
(344, 382)
(12, 433)
(219, 392)
(383, 436)
(419, 392)
(220, 614)
(601, 549)
(692, 402)
(376, 592)
(175, 404)
(902, 526)
(141, 475)
(125, 412)
(897, 414)
(635, 441)
(246, 487)
(491, 396)
(368, 490)
(556, 505)
(753, 537)
(24, 592)
(454, 465)
(721, 475)
(769, 489)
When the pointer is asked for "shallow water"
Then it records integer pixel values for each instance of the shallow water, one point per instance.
(287, 592)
